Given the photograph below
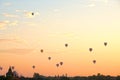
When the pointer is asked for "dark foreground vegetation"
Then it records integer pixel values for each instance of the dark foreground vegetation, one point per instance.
(36, 76)
(12, 75)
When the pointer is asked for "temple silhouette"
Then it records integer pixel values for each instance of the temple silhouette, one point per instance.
(11, 74)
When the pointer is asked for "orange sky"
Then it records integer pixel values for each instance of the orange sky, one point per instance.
(81, 24)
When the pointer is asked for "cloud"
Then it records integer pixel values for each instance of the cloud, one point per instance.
(10, 15)
(4, 40)
(17, 51)
(105, 1)
(30, 23)
(91, 5)
(6, 23)
(37, 14)
(14, 23)
(29, 14)
(18, 10)
(7, 4)
(10, 40)
(3, 24)
(56, 10)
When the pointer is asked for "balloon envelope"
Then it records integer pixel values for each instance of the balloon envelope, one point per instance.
(1, 68)
(41, 50)
(32, 13)
(94, 61)
(61, 63)
(49, 58)
(105, 43)
(66, 45)
(33, 66)
(12, 67)
(90, 49)
(57, 65)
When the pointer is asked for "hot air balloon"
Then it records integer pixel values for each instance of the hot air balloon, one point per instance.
(90, 49)
(66, 45)
(13, 67)
(57, 65)
(1, 68)
(33, 66)
(32, 13)
(61, 63)
(94, 61)
(41, 50)
(49, 58)
(105, 43)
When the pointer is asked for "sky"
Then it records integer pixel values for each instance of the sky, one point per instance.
(82, 24)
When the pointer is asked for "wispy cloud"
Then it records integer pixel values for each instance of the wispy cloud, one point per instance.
(17, 51)
(28, 14)
(93, 3)
(69, 34)
(56, 10)
(10, 40)
(106, 1)
(6, 23)
(3, 24)
(4, 40)
(17, 10)
(14, 23)
(7, 4)
(10, 15)
(30, 23)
